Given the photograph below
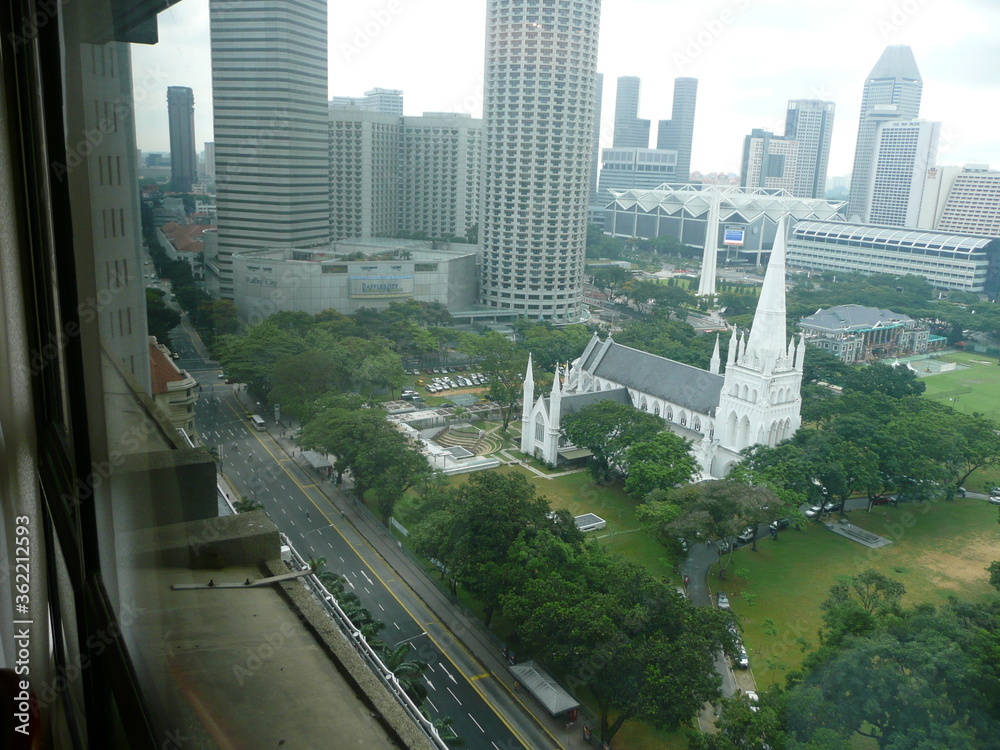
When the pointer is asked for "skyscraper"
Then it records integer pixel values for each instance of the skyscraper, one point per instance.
(769, 161)
(385, 101)
(538, 143)
(810, 123)
(183, 158)
(630, 131)
(269, 86)
(210, 159)
(595, 159)
(894, 84)
(677, 133)
(904, 151)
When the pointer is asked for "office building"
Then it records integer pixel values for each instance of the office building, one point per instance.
(796, 161)
(769, 161)
(269, 86)
(677, 133)
(440, 163)
(810, 123)
(364, 168)
(630, 131)
(183, 158)
(893, 89)
(210, 160)
(539, 109)
(904, 151)
(948, 261)
(635, 168)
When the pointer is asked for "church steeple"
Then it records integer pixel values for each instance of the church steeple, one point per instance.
(767, 336)
(716, 360)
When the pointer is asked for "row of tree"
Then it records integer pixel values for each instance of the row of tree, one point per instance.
(601, 623)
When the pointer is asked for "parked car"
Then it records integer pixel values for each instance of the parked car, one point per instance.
(752, 698)
(747, 536)
(960, 491)
(814, 511)
(723, 601)
(994, 499)
(781, 523)
(742, 660)
(883, 500)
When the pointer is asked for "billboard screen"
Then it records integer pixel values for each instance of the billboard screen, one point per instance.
(381, 286)
(733, 236)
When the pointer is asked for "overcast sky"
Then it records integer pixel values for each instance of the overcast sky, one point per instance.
(749, 56)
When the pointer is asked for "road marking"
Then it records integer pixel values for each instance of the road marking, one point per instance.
(436, 709)
(476, 723)
(381, 607)
(342, 559)
(447, 672)
(480, 676)
(397, 626)
(331, 544)
(454, 696)
(367, 578)
(431, 667)
(367, 591)
(429, 682)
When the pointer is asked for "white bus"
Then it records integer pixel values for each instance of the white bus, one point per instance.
(258, 422)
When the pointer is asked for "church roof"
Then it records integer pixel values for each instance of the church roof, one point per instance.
(572, 403)
(664, 378)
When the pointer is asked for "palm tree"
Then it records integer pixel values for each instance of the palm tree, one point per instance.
(446, 732)
(408, 672)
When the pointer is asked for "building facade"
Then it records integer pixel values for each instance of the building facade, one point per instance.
(769, 161)
(538, 110)
(677, 133)
(440, 168)
(810, 123)
(904, 151)
(855, 333)
(269, 88)
(347, 276)
(948, 261)
(386, 101)
(757, 400)
(893, 84)
(973, 202)
(183, 157)
(210, 161)
(174, 390)
(595, 160)
(635, 168)
(364, 172)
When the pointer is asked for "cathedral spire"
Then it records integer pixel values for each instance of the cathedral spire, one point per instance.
(714, 366)
(734, 346)
(767, 336)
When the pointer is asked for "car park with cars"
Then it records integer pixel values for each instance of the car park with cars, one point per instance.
(780, 523)
(723, 601)
(747, 535)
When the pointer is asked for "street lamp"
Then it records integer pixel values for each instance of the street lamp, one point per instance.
(320, 528)
(406, 640)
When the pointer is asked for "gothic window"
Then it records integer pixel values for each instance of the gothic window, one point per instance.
(684, 419)
(539, 429)
(670, 414)
(656, 409)
(643, 405)
(697, 424)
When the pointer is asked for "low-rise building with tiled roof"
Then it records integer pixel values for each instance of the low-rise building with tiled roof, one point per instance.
(174, 390)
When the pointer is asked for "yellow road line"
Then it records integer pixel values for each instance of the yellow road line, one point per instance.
(481, 676)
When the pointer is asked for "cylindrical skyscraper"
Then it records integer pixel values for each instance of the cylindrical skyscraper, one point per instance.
(541, 64)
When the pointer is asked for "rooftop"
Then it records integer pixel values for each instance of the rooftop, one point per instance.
(855, 318)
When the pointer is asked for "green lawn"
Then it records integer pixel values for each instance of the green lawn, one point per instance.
(939, 550)
(967, 390)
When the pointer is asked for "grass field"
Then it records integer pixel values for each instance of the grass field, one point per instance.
(939, 550)
(973, 390)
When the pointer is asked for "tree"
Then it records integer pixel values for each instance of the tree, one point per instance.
(608, 429)
(641, 650)
(882, 378)
(299, 379)
(161, 319)
(250, 357)
(470, 529)
(660, 463)
(860, 605)
(610, 278)
(994, 571)
(218, 317)
(383, 370)
(408, 672)
(504, 365)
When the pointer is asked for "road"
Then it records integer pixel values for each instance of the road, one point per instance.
(256, 466)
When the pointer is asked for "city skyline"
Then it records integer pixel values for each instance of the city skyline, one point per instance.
(739, 87)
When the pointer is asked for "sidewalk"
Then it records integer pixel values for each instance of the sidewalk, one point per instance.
(466, 631)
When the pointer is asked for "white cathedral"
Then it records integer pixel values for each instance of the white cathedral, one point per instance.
(756, 400)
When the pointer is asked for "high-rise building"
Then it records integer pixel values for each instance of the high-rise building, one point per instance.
(796, 161)
(183, 157)
(269, 86)
(595, 159)
(385, 101)
(364, 168)
(630, 131)
(769, 161)
(677, 133)
(210, 159)
(440, 163)
(894, 85)
(810, 122)
(538, 142)
(973, 202)
(904, 151)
